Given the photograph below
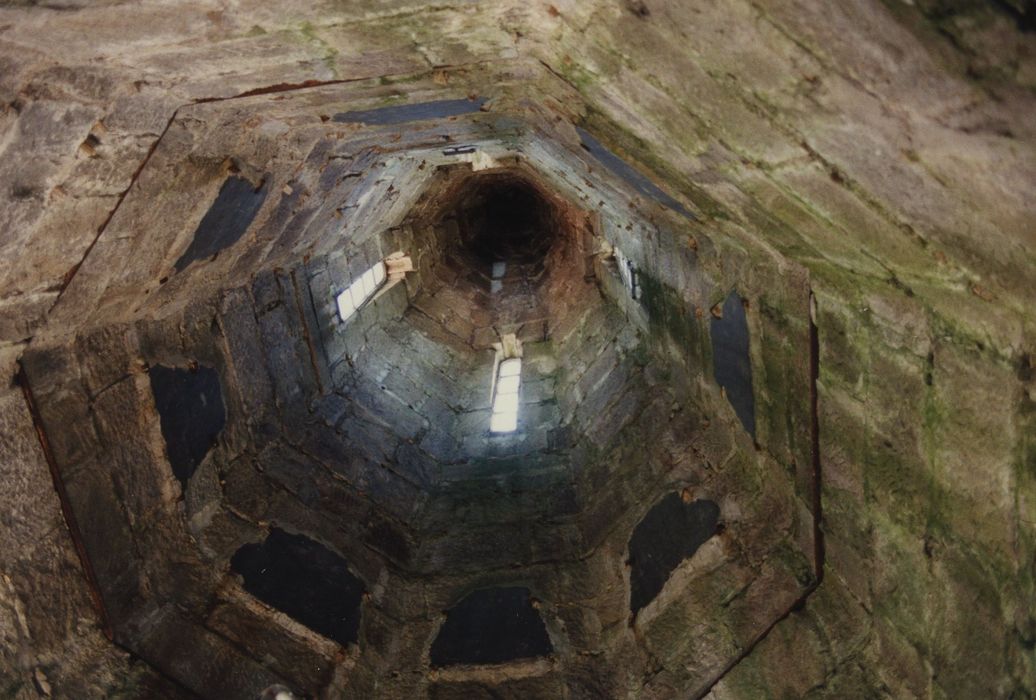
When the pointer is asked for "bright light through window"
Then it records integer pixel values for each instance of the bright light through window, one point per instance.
(497, 283)
(505, 396)
(628, 273)
(361, 290)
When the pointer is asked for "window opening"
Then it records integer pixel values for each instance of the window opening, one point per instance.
(377, 280)
(361, 290)
(506, 386)
(628, 273)
(497, 274)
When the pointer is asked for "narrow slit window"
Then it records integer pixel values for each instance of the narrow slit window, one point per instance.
(505, 396)
(361, 290)
(628, 273)
(497, 282)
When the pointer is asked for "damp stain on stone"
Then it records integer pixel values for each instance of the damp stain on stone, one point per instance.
(732, 364)
(671, 532)
(629, 174)
(401, 114)
(306, 581)
(191, 413)
(226, 221)
(669, 313)
(490, 626)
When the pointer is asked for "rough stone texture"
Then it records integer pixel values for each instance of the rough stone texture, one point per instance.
(369, 434)
(52, 642)
(877, 155)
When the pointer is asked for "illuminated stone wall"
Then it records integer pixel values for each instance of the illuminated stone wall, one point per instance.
(187, 188)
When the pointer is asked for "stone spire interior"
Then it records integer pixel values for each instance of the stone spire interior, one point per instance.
(596, 349)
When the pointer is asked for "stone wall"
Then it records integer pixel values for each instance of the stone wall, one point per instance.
(876, 158)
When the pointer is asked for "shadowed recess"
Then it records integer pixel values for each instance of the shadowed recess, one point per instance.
(491, 626)
(305, 580)
(401, 114)
(503, 217)
(629, 174)
(671, 532)
(226, 220)
(732, 365)
(190, 408)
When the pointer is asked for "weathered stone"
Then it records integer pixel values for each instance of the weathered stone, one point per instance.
(297, 659)
(31, 510)
(873, 157)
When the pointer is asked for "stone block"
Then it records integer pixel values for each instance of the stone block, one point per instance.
(441, 445)
(135, 454)
(964, 593)
(313, 484)
(368, 438)
(331, 409)
(63, 406)
(108, 540)
(417, 465)
(606, 425)
(246, 490)
(305, 659)
(379, 405)
(46, 587)
(30, 510)
(287, 360)
(106, 355)
(391, 491)
(897, 469)
(974, 442)
(205, 662)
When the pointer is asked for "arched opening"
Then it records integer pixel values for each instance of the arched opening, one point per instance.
(510, 254)
(504, 218)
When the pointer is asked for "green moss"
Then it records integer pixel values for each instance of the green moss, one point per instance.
(577, 76)
(624, 142)
(330, 54)
(669, 314)
(950, 330)
(783, 397)
(841, 349)
(795, 562)
(1026, 447)
(777, 224)
(896, 484)
(641, 356)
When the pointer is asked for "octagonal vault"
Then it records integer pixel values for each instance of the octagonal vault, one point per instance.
(651, 517)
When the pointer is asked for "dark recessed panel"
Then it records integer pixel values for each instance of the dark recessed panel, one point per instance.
(191, 413)
(671, 532)
(491, 626)
(226, 220)
(732, 365)
(629, 174)
(306, 581)
(400, 114)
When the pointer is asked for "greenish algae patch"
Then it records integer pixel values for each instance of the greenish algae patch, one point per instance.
(329, 53)
(669, 313)
(623, 142)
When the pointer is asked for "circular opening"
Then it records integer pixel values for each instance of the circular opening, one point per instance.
(505, 218)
